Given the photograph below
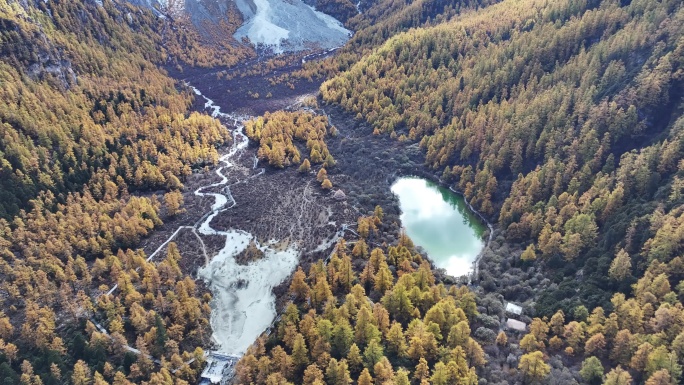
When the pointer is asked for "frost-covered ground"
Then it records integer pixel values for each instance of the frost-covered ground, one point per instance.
(153, 4)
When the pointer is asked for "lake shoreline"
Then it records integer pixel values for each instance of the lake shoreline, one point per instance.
(366, 181)
(488, 235)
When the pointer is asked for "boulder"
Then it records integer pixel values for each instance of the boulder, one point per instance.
(340, 195)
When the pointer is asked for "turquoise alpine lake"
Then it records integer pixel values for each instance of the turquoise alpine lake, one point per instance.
(440, 222)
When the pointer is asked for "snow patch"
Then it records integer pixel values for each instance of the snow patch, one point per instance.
(281, 25)
(289, 25)
(260, 30)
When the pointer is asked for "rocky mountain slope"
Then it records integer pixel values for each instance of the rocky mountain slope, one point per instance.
(276, 24)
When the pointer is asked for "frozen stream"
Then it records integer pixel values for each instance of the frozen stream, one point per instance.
(243, 305)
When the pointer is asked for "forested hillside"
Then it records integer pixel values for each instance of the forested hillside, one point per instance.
(88, 123)
(352, 321)
(381, 21)
(554, 120)
(82, 95)
(563, 121)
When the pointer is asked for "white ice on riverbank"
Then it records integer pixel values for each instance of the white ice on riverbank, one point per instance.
(244, 304)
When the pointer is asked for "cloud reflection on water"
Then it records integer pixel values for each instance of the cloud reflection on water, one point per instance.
(440, 222)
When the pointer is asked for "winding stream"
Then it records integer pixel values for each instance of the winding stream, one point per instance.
(243, 305)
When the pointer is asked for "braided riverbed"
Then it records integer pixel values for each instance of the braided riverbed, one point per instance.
(243, 304)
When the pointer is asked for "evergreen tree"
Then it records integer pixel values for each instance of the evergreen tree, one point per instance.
(373, 353)
(305, 167)
(592, 370)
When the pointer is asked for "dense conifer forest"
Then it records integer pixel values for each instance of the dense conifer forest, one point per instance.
(560, 121)
(90, 125)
